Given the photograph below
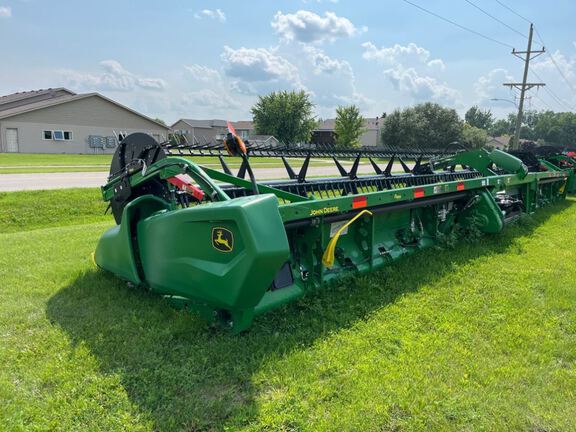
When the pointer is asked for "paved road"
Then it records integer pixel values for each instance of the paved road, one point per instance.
(16, 182)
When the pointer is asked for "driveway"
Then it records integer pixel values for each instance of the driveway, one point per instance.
(17, 182)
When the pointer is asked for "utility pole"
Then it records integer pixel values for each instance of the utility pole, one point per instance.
(524, 86)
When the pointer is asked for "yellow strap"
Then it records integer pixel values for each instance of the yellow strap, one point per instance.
(93, 259)
(328, 257)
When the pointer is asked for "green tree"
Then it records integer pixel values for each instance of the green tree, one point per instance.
(556, 128)
(286, 115)
(427, 125)
(159, 120)
(501, 127)
(349, 126)
(479, 118)
(474, 137)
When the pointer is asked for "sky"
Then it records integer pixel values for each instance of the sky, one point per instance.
(212, 59)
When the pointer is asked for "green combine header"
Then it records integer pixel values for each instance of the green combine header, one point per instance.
(231, 249)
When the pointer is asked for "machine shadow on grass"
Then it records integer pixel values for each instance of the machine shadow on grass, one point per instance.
(184, 375)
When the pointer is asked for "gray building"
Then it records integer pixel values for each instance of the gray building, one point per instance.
(324, 132)
(61, 121)
(205, 131)
(200, 131)
(245, 129)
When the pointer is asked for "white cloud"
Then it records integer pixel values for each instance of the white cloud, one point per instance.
(490, 86)
(115, 78)
(258, 69)
(305, 26)
(409, 55)
(208, 103)
(203, 73)
(207, 94)
(564, 64)
(208, 98)
(558, 71)
(420, 87)
(339, 89)
(412, 71)
(212, 14)
(5, 12)
(436, 63)
(323, 63)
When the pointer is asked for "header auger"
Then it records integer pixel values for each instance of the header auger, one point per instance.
(231, 249)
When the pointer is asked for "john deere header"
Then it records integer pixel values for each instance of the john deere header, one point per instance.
(231, 249)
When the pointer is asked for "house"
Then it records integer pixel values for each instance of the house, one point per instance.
(205, 131)
(57, 120)
(325, 134)
(262, 140)
(200, 131)
(499, 143)
(244, 129)
(372, 132)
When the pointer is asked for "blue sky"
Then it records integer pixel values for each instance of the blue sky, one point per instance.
(211, 59)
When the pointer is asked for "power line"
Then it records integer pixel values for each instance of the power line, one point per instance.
(496, 19)
(458, 25)
(555, 64)
(513, 11)
(570, 85)
(544, 102)
(558, 101)
(554, 95)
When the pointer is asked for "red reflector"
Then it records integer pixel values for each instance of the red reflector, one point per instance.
(359, 202)
(460, 186)
(419, 193)
(184, 183)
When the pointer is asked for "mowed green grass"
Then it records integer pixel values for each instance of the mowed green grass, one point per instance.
(23, 211)
(481, 337)
(23, 163)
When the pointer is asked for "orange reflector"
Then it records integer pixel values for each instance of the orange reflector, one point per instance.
(460, 186)
(419, 193)
(359, 202)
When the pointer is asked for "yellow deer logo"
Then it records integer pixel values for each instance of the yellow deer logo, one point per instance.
(222, 239)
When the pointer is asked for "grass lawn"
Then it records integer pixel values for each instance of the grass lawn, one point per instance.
(22, 163)
(481, 337)
(24, 211)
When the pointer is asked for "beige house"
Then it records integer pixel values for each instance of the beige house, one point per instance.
(500, 143)
(200, 131)
(324, 132)
(61, 121)
(245, 129)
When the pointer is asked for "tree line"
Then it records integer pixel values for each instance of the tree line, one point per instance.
(543, 127)
(289, 117)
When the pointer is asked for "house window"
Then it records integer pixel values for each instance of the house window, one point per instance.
(57, 135)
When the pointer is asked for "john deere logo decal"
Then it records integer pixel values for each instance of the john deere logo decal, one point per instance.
(222, 239)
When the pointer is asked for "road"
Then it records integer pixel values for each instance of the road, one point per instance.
(39, 181)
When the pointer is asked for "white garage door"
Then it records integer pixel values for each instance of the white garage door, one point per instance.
(12, 140)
